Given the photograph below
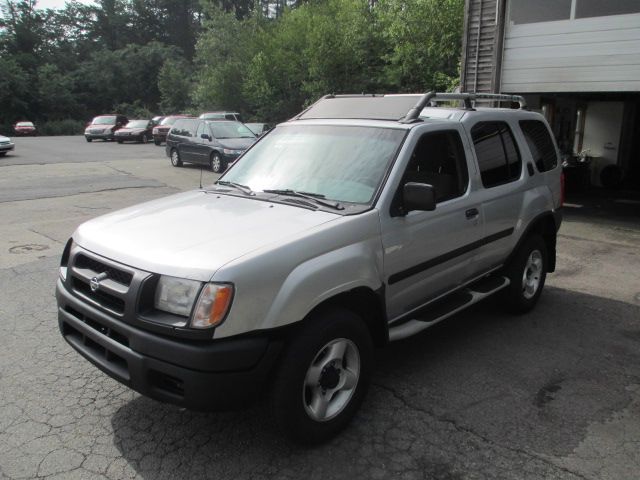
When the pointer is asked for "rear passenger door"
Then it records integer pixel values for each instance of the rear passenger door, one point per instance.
(503, 188)
(429, 253)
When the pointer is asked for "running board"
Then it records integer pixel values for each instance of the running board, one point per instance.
(451, 305)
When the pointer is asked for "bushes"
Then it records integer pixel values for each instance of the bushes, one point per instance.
(61, 127)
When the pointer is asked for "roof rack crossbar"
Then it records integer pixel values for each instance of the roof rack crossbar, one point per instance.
(467, 98)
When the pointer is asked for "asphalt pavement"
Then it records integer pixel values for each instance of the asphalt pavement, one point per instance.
(554, 394)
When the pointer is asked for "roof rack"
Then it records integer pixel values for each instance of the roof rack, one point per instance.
(467, 98)
(396, 107)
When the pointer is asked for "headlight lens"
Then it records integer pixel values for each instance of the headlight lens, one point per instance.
(176, 295)
(213, 305)
(228, 151)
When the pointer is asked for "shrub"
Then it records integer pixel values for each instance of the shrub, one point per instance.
(61, 127)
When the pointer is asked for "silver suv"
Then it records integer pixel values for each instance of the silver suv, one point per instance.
(363, 220)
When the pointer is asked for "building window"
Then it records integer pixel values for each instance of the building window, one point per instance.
(497, 153)
(600, 8)
(526, 11)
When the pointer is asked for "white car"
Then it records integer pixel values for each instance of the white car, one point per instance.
(6, 145)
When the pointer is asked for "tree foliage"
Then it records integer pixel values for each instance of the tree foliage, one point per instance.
(265, 58)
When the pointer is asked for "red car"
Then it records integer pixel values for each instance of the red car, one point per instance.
(160, 131)
(24, 128)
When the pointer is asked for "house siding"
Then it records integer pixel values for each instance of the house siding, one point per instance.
(600, 54)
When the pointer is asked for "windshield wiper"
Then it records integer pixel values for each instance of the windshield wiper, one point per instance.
(243, 188)
(315, 197)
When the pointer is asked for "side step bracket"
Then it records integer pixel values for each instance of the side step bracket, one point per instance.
(443, 309)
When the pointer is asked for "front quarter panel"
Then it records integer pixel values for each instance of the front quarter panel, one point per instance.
(280, 285)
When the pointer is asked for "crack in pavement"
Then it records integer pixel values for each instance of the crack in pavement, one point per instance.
(471, 432)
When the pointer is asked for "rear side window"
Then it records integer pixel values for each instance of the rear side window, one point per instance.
(540, 144)
(498, 156)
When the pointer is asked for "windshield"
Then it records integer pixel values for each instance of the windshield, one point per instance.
(104, 121)
(341, 163)
(170, 120)
(230, 130)
(24, 124)
(138, 124)
(212, 116)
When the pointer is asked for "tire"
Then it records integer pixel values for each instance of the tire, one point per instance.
(144, 139)
(527, 272)
(2, 154)
(89, 139)
(312, 397)
(175, 158)
(119, 141)
(216, 163)
(157, 142)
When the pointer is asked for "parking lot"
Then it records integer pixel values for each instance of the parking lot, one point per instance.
(551, 394)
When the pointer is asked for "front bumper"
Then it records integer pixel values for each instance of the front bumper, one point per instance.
(128, 138)
(196, 374)
(7, 147)
(161, 136)
(99, 136)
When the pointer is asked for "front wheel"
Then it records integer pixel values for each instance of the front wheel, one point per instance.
(89, 139)
(157, 142)
(527, 272)
(323, 376)
(175, 158)
(216, 163)
(119, 141)
(145, 139)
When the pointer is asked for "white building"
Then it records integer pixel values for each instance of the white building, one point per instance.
(578, 61)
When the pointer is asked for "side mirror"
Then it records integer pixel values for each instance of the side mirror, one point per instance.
(205, 136)
(418, 196)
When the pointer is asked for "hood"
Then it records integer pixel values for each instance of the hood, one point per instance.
(193, 234)
(131, 130)
(4, 139)
(237, 143)
(101, 125)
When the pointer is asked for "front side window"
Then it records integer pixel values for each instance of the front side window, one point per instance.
(439, 160)
(341, 163)
(540, 144)
(526, 11)
(498, 156)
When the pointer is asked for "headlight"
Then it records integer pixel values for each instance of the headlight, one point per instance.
(64, 261)
(176, 295)
(228, 151)
(213, 305)
(155, 131)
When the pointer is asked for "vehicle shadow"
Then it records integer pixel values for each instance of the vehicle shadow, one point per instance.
(483, 385)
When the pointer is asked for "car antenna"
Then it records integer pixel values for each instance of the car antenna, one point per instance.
(200, 177)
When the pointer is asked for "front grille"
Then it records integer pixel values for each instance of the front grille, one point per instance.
(4, 143)
(117, 275)
(104, 299)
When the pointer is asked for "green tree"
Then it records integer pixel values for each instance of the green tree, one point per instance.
(423, 39)
(174, 84)
(55, 93)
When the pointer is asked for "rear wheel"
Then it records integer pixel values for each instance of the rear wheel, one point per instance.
(527, 273)
(323, 376)
(145, 139)
(89, 139)
(175, 158)
(157, 142)
(216, 163)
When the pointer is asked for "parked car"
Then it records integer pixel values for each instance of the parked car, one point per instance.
(216, 144)
(221, 116)
(363, 220)
(157, 119)
(135, 131)
(160, 132)
(6, 145)
(104, 127)
(24, 129)
(259, 128)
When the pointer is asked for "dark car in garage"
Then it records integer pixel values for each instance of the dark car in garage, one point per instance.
(216, 144)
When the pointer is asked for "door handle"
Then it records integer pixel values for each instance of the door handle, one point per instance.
(472, 213)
